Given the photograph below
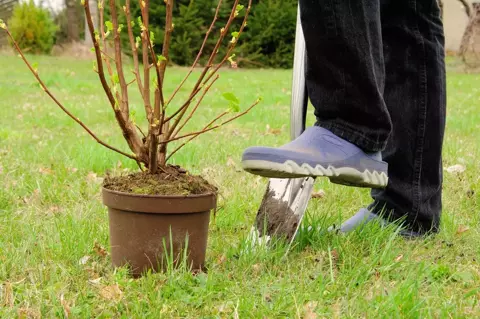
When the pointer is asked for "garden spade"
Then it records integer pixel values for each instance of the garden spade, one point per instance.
(285, 201)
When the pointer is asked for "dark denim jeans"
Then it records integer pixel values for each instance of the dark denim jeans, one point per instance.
(376, 77)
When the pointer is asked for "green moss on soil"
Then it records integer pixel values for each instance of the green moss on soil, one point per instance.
(171, 180)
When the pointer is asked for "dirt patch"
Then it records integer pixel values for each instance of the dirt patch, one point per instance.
(171, 180)
(276, 218)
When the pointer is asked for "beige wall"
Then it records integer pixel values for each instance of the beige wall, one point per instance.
(455, 21)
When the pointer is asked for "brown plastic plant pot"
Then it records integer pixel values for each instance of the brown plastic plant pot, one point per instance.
(142, 226)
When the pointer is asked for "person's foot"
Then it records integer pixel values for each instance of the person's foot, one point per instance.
(318, 152)
(363, 217)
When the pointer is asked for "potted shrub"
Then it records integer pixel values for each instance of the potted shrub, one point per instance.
(160, 211)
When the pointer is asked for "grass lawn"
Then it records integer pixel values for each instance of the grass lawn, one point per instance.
(52, 218)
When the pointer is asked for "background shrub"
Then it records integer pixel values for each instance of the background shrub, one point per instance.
(267, 41)
(33, 28)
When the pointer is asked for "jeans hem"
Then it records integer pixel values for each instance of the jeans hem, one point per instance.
(366, 143)
(394, 214)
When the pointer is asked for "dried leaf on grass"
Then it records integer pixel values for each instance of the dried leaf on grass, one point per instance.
(83, 260)
(256, 268)
(309, 310)
(456, 169)
(28, 313)
(93, 178)
(221, 259)
(32, 198)
(7, 293)
(54, 209)
(45, 170)
(111, 292)
(272, 131)
(65, 306)
(100, 250)
(462, 228)
(319, 194)
(95, 281)
(231, 162)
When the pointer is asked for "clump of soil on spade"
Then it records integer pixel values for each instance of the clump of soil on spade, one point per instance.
(276, 218)
(169, 181)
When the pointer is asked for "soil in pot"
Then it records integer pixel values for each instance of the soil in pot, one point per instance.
(148, 213)
(171, 180)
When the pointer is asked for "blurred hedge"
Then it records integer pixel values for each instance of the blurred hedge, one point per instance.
(32, 27)
(268, 39)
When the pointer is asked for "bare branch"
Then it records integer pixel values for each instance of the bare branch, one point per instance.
(133, 45)
(186, 104)
(213, 127)
(167, 37)
(133, 80)
(104, 40)
(467, 7)
(140, 130)
(128, 129)
(118, 60)
(146, 64)
(205, 91)
(200, 52)
(196, 135)
(64, 109)
(98, 55)
(233, 44)
(223, 32)
(106, 55)
(159, 101)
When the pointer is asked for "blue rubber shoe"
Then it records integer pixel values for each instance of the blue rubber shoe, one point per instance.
(363, 217)
(318, 152)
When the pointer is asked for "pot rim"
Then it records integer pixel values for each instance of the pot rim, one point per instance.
(159, 204)
(159, 196)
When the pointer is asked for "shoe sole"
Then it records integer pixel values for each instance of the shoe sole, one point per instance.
(339, 175)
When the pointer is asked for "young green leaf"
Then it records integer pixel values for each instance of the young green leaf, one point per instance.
(109, 25)
(229, 96)
(2, 24)
(161, 58)
(234, 107)
(235, 34)
(138, 40)
(120, 27)
(115, 78)
(239, 7)
(35, 66)
(234, 102)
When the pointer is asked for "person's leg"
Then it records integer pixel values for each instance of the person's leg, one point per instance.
(345, 71)
(415, 96)
(345, 81)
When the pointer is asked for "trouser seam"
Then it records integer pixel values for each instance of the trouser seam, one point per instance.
(417, 173)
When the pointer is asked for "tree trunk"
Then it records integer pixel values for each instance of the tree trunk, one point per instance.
(73, 31)
(94, 12)
(470, 45)
(468, 11)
